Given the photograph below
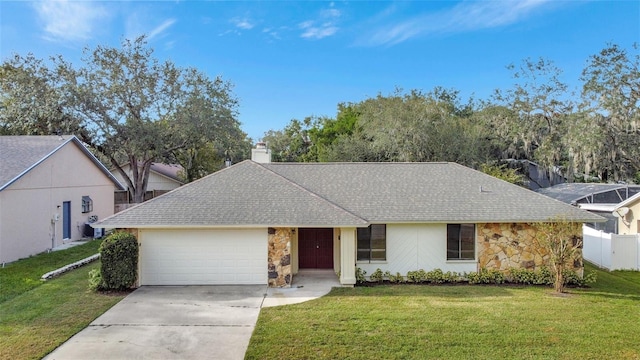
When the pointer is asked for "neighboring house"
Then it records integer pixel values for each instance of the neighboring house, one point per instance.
(600, 199)
(536, 176)
(259, 223)
(162, 179)
(628, 215)
(50, 187)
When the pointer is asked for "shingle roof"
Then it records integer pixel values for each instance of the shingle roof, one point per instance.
(19, 154)
(168, 170)
(344, 194)
(242, 195)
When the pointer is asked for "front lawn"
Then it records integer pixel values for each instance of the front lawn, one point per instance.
(23, 275)
(457, 322)
(36, 317)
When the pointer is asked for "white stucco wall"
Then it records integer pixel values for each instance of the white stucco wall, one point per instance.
(413, 247)
(30, 203)
(630, 223)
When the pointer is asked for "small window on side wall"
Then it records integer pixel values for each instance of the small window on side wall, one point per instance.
(87, 204)
(372, 243)
(461, 242)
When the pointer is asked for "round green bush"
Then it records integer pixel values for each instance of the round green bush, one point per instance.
(119, 258)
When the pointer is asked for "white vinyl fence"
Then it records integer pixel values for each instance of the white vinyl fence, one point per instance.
(611, 251)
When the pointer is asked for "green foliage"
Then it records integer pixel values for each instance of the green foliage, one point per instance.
(486, 276)
(543, 276)
(563, 241)
(126, 105)
(417, 276)
(119, 257)
(376, 276)
(95, 279)
(502, 172)
(360, 276)
(572, 278)
(394, 279)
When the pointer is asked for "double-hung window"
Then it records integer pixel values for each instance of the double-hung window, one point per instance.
(461, 242)
(372, 243)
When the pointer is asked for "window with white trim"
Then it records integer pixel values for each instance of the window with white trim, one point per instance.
(372, 243)
(461, 241)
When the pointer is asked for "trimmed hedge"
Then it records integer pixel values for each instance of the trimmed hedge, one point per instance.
(119, 267)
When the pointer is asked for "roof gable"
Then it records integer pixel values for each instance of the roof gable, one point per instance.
(20, 154)
(245, 194)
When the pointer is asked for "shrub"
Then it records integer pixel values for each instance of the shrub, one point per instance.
(95, 279)
(394, 279)
(485, 276)
(572, 278)
(544, 276)
(119, 257)
(376, 276)
(360, 276)
(417, 276)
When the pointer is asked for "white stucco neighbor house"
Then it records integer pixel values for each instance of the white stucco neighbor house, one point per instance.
(50, 187)
(628, 215)
(259, 223)
(162, 178)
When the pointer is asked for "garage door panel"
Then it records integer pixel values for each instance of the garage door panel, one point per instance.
(203, 257)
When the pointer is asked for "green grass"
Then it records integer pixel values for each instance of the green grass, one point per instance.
(23, 275)
(36, 317)
(458, 322)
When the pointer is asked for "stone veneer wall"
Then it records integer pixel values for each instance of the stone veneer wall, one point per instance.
(279, 257)
(509, 245)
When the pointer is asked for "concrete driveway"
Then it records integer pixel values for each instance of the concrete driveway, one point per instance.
(171, 322)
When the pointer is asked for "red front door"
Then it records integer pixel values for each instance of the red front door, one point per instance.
(315, 248)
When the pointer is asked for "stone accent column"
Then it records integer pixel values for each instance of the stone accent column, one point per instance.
(347, 256)
(512, 245)
(279, 257)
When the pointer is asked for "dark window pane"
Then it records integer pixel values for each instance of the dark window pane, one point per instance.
(378, 254)
(461, 241)
(364, 255)
(453, 241)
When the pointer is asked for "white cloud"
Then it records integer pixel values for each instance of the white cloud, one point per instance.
(69, 20)
(161, 28)
(464, 17)
(242, 23)
(325, 25)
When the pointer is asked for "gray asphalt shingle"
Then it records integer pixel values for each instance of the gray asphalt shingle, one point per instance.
(344, 194)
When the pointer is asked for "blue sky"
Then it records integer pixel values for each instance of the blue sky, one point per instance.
(299, 58)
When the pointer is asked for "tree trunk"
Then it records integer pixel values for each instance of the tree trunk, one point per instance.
(559, 284)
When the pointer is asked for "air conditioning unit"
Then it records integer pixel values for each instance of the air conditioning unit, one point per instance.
(91, 232)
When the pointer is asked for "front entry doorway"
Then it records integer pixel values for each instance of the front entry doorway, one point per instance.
(315, 248)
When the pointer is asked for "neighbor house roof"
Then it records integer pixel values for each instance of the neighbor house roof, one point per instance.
(170, 171)
(572, 193)
(344, 194)
(20, 154)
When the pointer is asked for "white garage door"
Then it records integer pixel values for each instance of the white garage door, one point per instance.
(203, 257)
